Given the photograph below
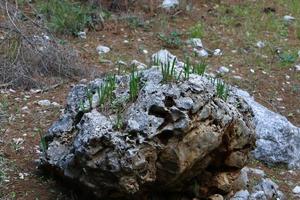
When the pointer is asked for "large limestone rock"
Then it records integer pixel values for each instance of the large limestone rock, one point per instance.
(176, 137)
(278, 141)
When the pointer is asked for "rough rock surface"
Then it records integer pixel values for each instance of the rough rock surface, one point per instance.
(278, 141)
(176, 137)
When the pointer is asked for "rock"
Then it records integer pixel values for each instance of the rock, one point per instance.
(252, 71)
(121, 63)
(216, 197)
(145, 51)
(169, 4)
(237, 77)
(241, 195)
(201, 52)
(297, 68)
(217, 52)
(102, 49)
(266, 189)
(172, 137)
(44, 103)
(163, 57)
(82, 34)
(260, 44)
(195, 42)
(138, 65)
(296, 190)
(223, 70)
(278, 141)
(288, 18)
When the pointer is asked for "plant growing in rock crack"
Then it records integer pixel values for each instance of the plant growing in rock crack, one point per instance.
(105, 90)
(171, 40)
(43, 143)
(168, 71)
(222, 89)
(134, 85)
(199, 68)
(187, 68)
(89, 95)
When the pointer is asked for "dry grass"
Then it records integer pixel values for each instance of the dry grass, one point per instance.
(29, 54)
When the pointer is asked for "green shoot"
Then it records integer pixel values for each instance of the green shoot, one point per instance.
(43, 143)
(200, 68)
(168, 71)
(89, 95)
(187, 69)
(133, 85)
(222, 90)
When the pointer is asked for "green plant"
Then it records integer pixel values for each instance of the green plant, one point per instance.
(105, 91)
(43, 143)
(89, 95)
(119, 120)
(200, 68)
(287, 58)
(196, 31)
(168, 71)
(222, 89)
(187, 68)
(66, 16)
(134, 85)
(171, 40)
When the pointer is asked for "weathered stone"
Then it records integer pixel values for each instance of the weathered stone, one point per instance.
(173, 135)
(278, 141)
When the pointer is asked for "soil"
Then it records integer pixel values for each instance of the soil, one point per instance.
(269, 86)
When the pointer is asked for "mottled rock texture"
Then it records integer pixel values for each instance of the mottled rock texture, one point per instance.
(175, 137)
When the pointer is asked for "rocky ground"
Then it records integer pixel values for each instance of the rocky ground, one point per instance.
(259, 47)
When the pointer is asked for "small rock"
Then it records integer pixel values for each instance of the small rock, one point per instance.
(169, 4)
(44, 103)
(216, 197)
(297, 68)
(195, 42)
(241, 195)
(223, 70)
(218, 52)
(82, 34)
(120, 62)
(145, 51)
(252, 71)
(125, 41)
(296, 190)
(260, 44)
(237, 77)
(287, 77)
(55, 104)
(288, 18)
(102, 49)
(201, 52)
(138, 65)
(25, 109)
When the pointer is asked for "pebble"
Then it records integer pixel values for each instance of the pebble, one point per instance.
(252, 71)
(195, 42)
(82, 34)
(297, 68)
(125, 41)
(44, 102)
(102, 49)
(145, 51)
(201, 52)
(223, 70)
(260, 44)
(296, 190)
(288, 18)
(218, 52)
(237, 77)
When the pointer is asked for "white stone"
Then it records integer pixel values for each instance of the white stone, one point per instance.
(297, 68)
(125, 41)
(218, 52)
(223, 70)
(252, 71)
(201, 52)
(55, 104)
(195, 42)
(296, 190)
(138, 65)
(288, 18)
(260, 44)
(237, 77)
(145, 51)
(168, 4)
(82, 34)
(44, 102)
(102, 49)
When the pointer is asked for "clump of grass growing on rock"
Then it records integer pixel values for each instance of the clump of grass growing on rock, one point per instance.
(168, 71)
(105, 90)
(187, 68)
(134, 85)
(200, 68)
(222, 89)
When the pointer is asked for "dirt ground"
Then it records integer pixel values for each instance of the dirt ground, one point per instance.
(233, 26)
